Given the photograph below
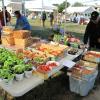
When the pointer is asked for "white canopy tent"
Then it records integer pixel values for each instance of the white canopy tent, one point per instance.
(39, 5)
(84, 9)
(7, 2)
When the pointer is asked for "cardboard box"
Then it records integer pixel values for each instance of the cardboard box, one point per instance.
(22, 34)
(22, 43)
(7, 30)
(7, 40)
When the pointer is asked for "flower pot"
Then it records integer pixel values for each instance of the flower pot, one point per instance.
(19, 77)
(28, 74)
(7, 82)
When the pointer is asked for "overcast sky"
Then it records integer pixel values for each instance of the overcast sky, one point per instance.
(48, 2)
(71, 1)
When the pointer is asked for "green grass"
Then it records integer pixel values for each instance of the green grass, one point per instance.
(75, 29)
(38, 30)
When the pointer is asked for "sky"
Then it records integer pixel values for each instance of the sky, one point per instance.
(48, 2)
(60, 1)
(71, 1)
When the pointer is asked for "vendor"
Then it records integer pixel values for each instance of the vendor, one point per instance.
(22, 22)
(98, 35)
(92, 31)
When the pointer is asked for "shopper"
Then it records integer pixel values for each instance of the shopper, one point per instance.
(22, 22)
(7, 17)
(91, 31)
(51, 19)
(98, 34)
(0, 25)
(43, 18)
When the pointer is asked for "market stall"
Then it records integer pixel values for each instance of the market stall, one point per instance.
(26, 62)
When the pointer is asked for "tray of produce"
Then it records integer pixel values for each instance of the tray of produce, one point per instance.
(92, 56)
(49, 66)
(83, 70)
(88, 65)
(34, 56)
(73, 51)
(52, 48)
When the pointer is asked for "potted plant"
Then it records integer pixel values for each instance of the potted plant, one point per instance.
(28, 70)
(19, 71)
(6, 76)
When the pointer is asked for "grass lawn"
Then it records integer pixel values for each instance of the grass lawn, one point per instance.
(38, 30)
(75, 29)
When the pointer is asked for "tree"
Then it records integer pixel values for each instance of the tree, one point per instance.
(77, 4)
(62, 6)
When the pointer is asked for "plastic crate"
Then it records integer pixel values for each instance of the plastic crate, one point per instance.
(82, 87)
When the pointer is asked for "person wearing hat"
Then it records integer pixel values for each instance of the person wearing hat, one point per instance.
(90, 36)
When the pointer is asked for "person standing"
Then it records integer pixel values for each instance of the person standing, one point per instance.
(98, 34)
(7, 17)
(51, 19)
(0, 25)
(21, 22)
(91, 31)
(43, 18)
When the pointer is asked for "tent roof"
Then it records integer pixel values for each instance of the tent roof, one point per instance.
(39, 10)
(79, 9)
(38, 4)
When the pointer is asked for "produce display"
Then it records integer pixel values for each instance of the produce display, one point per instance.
(10, 65)
(42, 55)
(95, 53)
(92, 56)
(83, 68)
(35, 56)
(52, 48)
(73, 40)
(73, 51)
(88, 65)
(68, 39)
(49, 66)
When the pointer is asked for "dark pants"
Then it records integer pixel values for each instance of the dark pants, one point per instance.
(51, 23)
(43, 22)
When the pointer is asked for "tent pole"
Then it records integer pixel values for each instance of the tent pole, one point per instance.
(4, 12)
(65, 17)
(41, 12)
